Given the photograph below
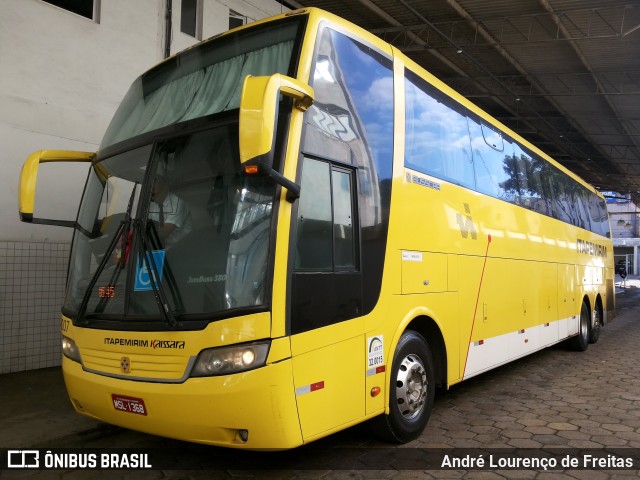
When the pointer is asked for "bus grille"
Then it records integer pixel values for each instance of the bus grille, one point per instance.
(136, 366)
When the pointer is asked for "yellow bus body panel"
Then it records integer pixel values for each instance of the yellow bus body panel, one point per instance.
(520, 277)
(204, 409)
(330, 386)
(208, 410)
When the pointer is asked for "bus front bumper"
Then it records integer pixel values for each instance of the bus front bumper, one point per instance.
(210, 410)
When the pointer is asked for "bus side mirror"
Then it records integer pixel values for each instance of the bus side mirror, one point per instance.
(29, 176)
(258, 114)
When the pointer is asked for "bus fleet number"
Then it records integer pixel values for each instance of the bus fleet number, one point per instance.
(374, 361)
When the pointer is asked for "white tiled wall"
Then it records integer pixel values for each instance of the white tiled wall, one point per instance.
(32, 283)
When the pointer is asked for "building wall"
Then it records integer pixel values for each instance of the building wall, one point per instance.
(63, 76)
(32, 278)
(625, 232)
(624, 219)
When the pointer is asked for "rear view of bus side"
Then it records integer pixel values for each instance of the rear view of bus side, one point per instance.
(361, 234)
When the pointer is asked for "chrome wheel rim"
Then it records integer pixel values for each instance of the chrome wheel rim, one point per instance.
(596, 321)
(411, 387)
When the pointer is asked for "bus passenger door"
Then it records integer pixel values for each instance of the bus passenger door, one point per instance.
(326, 300)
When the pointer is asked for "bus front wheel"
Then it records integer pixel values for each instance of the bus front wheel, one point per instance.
(411, 393)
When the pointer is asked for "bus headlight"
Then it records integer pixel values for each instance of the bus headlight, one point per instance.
(226, 360)
(70, 349)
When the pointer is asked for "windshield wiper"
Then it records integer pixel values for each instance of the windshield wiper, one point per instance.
(154, 276)
(121, 232)
(153, 241)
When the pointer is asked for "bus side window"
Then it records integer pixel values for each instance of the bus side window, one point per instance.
(326, 235)
(314, 249)
(437, 136)
(491, 157)
(343, 217)
(530, 174)
(569, 200)
(604, 218)
(583, 206)
(546, 183)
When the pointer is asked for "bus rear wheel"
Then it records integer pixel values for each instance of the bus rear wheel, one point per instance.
(412, 390)
(581, 341)
(596, 324)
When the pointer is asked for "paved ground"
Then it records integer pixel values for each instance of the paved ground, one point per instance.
(553, 399)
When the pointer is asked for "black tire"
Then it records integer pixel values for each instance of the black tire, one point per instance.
(596, 325)
(411, 391)
(581, 341)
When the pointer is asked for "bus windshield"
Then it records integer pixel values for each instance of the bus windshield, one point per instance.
(169, 228)
(205, 79)
(203, 226)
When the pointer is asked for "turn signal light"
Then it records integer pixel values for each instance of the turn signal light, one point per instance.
(251, 169)
(375, 391)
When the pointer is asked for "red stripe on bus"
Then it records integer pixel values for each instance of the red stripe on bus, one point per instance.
(475, 311)
(317, 386)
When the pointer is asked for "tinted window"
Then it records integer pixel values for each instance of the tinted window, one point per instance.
(204, 80)
(437, 136)
(343, 238)
(326, 238)
(327, 285)
(530, 174)
(206, 227)
(314, 249)
(582, 196)
(605, 229)
(447, 141)
(496, 174)
(351, 119)
(350, 124)
(566, 200)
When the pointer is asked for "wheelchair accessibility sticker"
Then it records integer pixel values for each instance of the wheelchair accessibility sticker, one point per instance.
(143, 276)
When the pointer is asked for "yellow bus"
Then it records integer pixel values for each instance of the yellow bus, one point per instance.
(292, 228)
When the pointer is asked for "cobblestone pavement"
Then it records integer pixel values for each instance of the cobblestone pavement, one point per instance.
(552, 399)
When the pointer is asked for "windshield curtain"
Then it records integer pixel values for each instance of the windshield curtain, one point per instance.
(203, 226)
(203, 80)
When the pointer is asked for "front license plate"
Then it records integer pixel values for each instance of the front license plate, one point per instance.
(129, 404)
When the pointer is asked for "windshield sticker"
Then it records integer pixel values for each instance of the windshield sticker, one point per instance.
(143, 277)
(211, 279)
